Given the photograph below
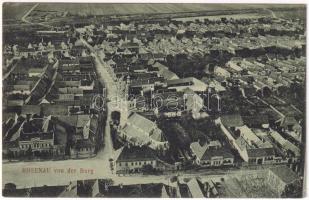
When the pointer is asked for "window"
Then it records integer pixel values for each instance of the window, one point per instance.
(120, 164)
(126, 164)
(140, 163)
(132, 163)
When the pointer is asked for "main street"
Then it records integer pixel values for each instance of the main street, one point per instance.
(107, 152)
(13, 173)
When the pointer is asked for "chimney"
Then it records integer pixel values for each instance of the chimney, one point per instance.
(69, 186)
(205, 186)
(28, 117)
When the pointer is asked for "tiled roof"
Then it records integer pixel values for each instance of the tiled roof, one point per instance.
(232, 120)
(141, 122)
(285, 174)
(84, 143)
(198, 150)
(195, 189)
(55, 109)
(30, 109)
(260, 152)
(136, 153)
(217, 152)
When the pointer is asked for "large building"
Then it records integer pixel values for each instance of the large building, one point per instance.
(212, 154)
(134, 159)
(139, 130)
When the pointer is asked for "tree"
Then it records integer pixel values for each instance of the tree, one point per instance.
(293, 190)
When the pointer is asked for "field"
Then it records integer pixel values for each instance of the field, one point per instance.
(218, 17)
(15, 11)
(291, 14)
(150, 8)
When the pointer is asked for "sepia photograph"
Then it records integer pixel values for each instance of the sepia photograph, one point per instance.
(153, 100)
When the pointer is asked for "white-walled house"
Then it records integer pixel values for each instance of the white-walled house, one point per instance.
(212, 154)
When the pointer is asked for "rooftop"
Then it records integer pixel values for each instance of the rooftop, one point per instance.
(285, 174)
(136, 153)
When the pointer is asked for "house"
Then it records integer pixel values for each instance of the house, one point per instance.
(256, 120)
(139, 130)
(212, 154)
(146, 84)
(84, 134)
(195, 189)
(86, 64)
(30, 109)
(82, 148)
(261, 155)
(164, 72)
(10, 190)
(250, 147)
(11, 135)
(281, 177)
(219, 71)
(37, 135)
(77, 122)
(191, 82)
(285, 145)
(68, 84)
(35, 72)
(134, 158)
(217, 86)
(234, 66)
(148, 190)
(194, 102)
(138, 68)
(69, 65)
(291, 126)
(144, 54)
(54, 109)
(70, 190)
(183, 190)
(168, 104)
(158, 56)
(18, 89)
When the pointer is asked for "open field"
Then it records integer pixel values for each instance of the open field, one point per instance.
(151, 8)
(218, 17)
(15, 11)
(291, 14)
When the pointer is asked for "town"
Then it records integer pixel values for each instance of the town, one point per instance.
(158, 97)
